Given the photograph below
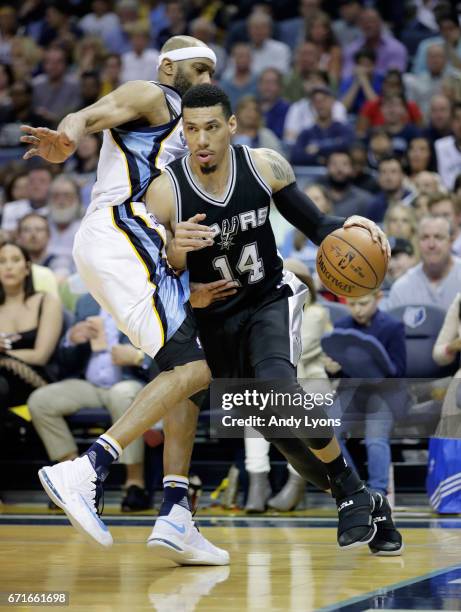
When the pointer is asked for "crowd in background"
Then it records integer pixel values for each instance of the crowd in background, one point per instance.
(362, 97)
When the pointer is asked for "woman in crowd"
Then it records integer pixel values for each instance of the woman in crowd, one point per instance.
(320, 33)
(419, 156)
(250, 129)
(30, 327)
(400, 222)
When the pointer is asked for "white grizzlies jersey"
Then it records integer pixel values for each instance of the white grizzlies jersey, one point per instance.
(133, 154)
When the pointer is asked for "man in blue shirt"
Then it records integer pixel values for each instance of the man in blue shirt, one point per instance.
(315, 144)
(274, 107)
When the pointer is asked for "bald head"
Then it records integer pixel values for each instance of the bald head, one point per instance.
(181, 42)
(183, 70)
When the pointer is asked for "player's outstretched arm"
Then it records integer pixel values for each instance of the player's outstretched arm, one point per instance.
(128, 102)
(298, 208)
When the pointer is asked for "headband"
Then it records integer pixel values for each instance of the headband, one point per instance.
(188, 53)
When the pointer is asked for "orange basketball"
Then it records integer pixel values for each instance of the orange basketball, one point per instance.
(350, 264)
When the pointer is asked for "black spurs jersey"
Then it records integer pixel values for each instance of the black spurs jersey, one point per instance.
(244, 244)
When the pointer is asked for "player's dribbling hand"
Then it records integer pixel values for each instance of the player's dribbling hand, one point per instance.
(204, 294)
(53, 146)
(191, 236)
(376, 232)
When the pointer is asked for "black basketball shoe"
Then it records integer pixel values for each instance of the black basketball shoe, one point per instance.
(387, 541)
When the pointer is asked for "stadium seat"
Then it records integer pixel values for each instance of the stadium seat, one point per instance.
(422, 326)
(336, 310)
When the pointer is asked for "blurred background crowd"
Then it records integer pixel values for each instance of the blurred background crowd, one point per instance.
(363, 97)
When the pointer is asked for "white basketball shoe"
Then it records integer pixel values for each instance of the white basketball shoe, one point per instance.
(75, 487)
(175, 537)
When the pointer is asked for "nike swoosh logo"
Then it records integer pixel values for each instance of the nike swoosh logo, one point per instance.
(180, 528)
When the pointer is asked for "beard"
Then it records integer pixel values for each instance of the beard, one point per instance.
(340, 184)
(208, 169)
(181, 82)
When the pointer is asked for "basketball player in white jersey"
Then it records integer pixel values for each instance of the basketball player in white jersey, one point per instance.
(120, 252)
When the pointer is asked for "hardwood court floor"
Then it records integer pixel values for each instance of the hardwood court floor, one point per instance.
(289, 565)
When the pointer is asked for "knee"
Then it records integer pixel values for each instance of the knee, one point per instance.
(39, 402)
(195, 374)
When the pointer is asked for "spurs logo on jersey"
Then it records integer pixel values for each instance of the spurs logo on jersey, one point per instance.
(229, 228)
(244, 248)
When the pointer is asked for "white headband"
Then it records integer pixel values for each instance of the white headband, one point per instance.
(188, 53)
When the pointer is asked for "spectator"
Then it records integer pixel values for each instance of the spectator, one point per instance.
(302, 114)
(448, 206)
(90, 54)
(90, 88)
(117, 40)
(450, 39)
(274, 107)
(347, 199)
(30, 326)
(293, 31)
(239, 81)
(448, 344)
(111, 74)
(250, 130)
(306, 62)
(55, 92)
(396, 123)
(439, 118)
(390, 53)
(6, 79)
(419, 156)
(141, 62)
(18, 113)
(371, 114)
(39, 185)
(313, 145)
(448, 150)
(376, 410)
(400, 222)
(402, 259)
(321, 34)
(58, 27)
(420, 206)
(205, 30)
(422, 87)
(347, 28)
(267, 52)
(364, 85)
(103, 370)
(457, 186)
(101, 21)
(379, 147)
(428, 182)
(64, 217)
(391, 180)
(177, 22)
(82, 166)
(362, 175)
(8, 29)
(437, 278)
(25, 57)
(16, 186)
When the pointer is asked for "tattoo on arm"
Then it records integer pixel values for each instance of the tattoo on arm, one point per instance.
(281, 169)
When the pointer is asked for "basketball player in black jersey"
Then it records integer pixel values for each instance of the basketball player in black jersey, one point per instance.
(253, 332)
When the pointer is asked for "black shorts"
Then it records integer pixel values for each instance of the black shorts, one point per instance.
(183, 347)
(234, 345)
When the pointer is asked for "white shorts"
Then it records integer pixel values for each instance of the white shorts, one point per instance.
(122, 263)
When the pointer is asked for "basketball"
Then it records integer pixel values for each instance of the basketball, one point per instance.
(350, 263)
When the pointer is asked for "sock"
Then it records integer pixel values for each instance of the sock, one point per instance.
(102, 454)
(337, 466)
(175, 489)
